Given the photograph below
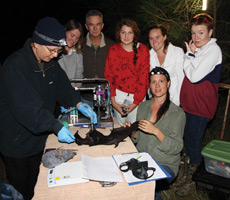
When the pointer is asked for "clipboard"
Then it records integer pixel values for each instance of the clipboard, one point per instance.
(160, 172)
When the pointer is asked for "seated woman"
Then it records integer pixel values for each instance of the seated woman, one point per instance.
(161, 127)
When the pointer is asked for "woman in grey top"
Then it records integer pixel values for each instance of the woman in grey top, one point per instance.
(71, 60)
(161, 127)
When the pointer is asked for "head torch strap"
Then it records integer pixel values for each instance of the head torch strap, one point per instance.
(160, 70)
(142, 173)
(124, 167)
(61, 42)
(139, 169)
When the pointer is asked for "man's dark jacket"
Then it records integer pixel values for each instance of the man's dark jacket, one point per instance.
(94, 60)
(28, 97)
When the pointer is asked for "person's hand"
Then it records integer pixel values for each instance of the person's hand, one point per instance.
(64, 135)
(134, 133)
(88, 112)
(147, 126)
(127, 124)
(122, 109)
(190, 46)
(150, 128)
(131, 107)
(63, 109)
(119, 108)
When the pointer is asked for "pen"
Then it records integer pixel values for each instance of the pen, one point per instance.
(139, 157)
(82, 125)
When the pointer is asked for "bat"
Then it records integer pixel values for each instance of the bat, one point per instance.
(117, 135)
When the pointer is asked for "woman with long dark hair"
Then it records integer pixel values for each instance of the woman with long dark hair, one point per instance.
(161, 127)
(71, 60)
(127, 67)
(163, 53)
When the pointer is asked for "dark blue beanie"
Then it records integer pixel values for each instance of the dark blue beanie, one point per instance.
(49, 31)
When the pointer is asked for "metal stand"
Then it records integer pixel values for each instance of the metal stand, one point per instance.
(226, 86)
(100, 88)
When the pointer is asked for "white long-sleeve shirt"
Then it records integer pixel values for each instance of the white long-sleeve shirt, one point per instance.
(72, 64)
(203, 62)
(173, 63)
(199, 91)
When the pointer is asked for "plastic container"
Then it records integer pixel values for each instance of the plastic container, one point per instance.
(73, 117)
(217, 158)
(218, 187)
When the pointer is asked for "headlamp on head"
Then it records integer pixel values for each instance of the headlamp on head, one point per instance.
(60, 42)
(159, 70)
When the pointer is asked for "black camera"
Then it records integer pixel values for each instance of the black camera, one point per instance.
(124, 110)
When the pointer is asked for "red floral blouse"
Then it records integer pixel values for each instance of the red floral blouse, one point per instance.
(124, 75)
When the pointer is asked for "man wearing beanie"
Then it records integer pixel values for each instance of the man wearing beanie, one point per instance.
(31, 82)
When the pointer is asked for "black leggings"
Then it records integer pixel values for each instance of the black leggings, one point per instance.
(22, 173)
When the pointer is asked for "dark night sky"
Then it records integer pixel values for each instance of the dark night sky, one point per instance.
(19, 18)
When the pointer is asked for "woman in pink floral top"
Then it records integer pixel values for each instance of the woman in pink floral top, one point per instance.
(127, 68)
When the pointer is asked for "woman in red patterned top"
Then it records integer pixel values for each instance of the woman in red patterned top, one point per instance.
(127, 68)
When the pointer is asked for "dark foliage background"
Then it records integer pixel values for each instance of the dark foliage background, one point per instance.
(19, 18)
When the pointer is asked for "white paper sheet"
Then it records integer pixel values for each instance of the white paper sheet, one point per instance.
(100, 169)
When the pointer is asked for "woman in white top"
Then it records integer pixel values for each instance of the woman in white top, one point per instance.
(71, 60)
(164, 54)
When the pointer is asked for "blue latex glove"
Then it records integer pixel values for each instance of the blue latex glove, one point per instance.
(64, 135)
(63, 109)
(86, 110)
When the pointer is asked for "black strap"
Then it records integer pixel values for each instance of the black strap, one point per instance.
(139, 169)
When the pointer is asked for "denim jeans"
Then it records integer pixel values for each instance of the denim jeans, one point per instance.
(193, 135)
(161, 184)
